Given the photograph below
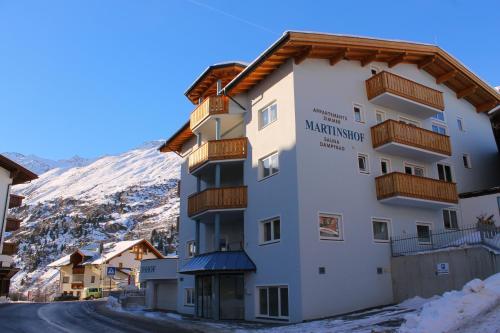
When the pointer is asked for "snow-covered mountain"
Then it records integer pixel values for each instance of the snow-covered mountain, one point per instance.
(117, 197)
(40, 165)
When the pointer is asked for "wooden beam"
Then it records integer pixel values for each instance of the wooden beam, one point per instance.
(369, 58)
(338, 56)
(397, 59)
(466, 92)
(303, 55)
(446, 76)
(486, 106)
(426, 62)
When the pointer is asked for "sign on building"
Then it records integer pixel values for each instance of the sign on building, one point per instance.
(111, 271)
(443, 268)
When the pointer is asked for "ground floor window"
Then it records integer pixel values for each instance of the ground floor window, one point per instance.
(189, 296)
(424, 233)
(273, 301)
(380, 230)
(450, 219)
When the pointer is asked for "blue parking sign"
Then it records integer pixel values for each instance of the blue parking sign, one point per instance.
(111, 271)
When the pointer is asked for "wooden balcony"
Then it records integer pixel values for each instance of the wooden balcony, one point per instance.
(15, 200)
(9, 249)
(225, 198)
(13, 224)
(218, 150)
(396, 138)
(403, 189)
(212, 105)
(77, 285)
(78, 270)
(398, 93)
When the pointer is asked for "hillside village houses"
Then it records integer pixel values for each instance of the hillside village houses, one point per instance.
(11, 174)
(302, 168)
(88, 267)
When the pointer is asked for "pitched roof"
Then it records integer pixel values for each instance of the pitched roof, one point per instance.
(177, 140)
(19, 173)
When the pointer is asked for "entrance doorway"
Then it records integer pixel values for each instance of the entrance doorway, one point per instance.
(204, 296)
(232, 303)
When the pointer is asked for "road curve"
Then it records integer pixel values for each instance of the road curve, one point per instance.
(78, 317)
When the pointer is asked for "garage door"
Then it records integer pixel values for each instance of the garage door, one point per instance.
(167, 296)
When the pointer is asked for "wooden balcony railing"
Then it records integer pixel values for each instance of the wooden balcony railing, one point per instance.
(77, 285)
(385, 82)
(394, 131)
(217, 150)
(12, 224)
(210, 106)
(9, 249)
(217, 198)
(79, 270)
(404, 185)
(15, 201)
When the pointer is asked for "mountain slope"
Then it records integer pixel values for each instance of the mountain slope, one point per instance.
(41, 165)
(126, 196)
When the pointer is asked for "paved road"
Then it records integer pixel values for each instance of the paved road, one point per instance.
(78, 317)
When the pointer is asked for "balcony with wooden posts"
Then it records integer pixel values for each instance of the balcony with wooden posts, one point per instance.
(78, 270)
(15, 201)
(12, 224)
(216, 199)
(213, 105)
(402, 189)
(404, 95)
(9, 249)
(397, 138)
(218, 150)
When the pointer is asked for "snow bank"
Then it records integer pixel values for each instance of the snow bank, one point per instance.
(113, 304)
(454, 309)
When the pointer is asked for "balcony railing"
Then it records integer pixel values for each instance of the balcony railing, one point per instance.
(9, 249)
(217, 199)
(15, 201)
(77, 285)
(78, 270)
(397, 132)
(12, 224)
(210, 106)
(397, 184)
(217, 150)
(385, 82)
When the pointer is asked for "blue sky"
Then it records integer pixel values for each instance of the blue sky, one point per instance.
(99, 77)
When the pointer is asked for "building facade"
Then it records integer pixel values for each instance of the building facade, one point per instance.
(11, 174)
(301, 166)
(159, 278)
(88, 267)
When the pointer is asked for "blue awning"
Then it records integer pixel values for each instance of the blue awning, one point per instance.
(222, 261)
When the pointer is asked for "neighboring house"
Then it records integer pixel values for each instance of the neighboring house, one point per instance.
(483, 204)
(300, 168)
(88, 267)
(11, 173)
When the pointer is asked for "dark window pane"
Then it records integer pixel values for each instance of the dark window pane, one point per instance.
(273, 302)
(267, 231)
(284, 301)
(277, 233)
(384, 167)
(447, 170)
(446, 219)
(408, 170)
(453, 218)
(441, 172)
(263, 301)
(423, 232)
(361, 163)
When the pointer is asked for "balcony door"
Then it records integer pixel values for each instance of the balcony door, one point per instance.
(416, 170)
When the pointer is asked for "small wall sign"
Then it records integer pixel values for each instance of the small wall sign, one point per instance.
(443, 268)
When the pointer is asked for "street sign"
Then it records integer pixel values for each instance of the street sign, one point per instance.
(111, 271)
(443, 268)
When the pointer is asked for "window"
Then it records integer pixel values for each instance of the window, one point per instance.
(191, 248)
(450, 219)
(415, 170)
(189, 296)
(273, 301)
(270, 230)
(380, 230)
(269, 165)
(330, 226)
(385, 166)
(424, 233)
(363, 164)
(268, 115)
(374, 70)
(466, 160)
(439, 116)
(444, 172)
(460, 124)
(409, 122)
(440, 129)
(358, 113)
(92, 279)
(379, 116)
(65, 279)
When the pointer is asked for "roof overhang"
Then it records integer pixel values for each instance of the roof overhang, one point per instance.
(430, 58)
(219, 262)
(19, 174)
(177, 140)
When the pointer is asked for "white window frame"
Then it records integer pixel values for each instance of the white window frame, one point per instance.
(361, 113)
(382, 113)
(389, 229)
(188, 243)
(389, 165)
(439, 120)
(427, 224)
(469, 162)
(413, 165)
(267, 108)
(261, 230)
(261, 168)
(367, 163)
(461, 127)
(186, 300)
(451, 170)
(440, 125)
(449, 215)
(341, 226)
(257, 303)
(407, 120)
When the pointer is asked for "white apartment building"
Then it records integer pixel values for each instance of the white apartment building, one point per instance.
(300, 166)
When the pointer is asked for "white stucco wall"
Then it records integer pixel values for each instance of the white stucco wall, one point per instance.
(486, 205)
